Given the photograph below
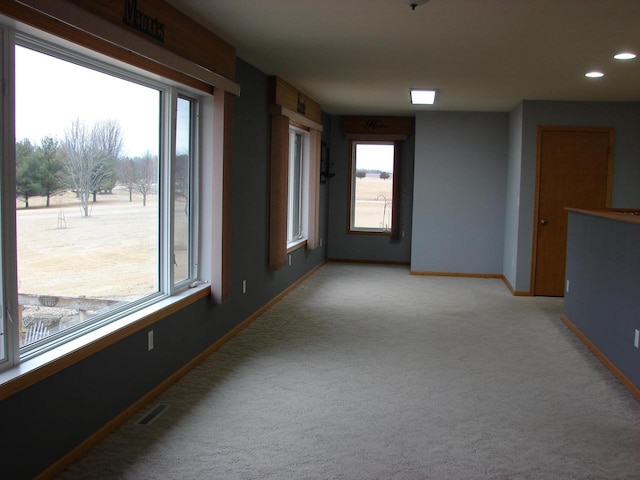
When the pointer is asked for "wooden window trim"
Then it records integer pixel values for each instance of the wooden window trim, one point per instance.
(278, 192)
(297, 246)
(284, 98)
(75, 24)
(365, 128)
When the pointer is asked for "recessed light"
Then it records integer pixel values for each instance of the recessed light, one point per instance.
(625, 56)
(594, 74)
(423, 97)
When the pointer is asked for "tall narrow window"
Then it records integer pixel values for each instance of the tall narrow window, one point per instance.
(295, 219)
(372, 179)
(182, 198)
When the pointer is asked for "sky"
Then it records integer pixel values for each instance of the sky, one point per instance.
(51, 93)
(374, 157)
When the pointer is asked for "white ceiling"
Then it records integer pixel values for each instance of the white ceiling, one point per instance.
(362, 56)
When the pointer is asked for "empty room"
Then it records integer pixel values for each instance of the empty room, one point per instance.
(313, 240)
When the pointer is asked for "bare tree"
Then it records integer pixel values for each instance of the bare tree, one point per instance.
(79, 162)
(139, 174)
(90, 157)
(127, 174)
(146, 175)
(107, 137)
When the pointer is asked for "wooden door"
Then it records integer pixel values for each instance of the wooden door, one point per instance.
(573, 170)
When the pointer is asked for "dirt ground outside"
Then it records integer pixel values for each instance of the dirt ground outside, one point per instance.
(110, 255)
(373, 201)
(113, 253)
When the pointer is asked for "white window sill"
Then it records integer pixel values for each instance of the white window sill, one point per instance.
(52, 361)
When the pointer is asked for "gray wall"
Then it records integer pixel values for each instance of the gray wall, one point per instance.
(459, 192)
(603, 267)
(473, 187)
(43, 422)
(379, 248)
(624, 117)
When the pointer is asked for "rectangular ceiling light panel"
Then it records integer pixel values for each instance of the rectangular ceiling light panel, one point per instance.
(423, 97)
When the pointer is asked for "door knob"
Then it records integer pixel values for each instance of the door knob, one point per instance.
(543, 222)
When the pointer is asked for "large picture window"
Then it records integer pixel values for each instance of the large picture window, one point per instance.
(105, 170)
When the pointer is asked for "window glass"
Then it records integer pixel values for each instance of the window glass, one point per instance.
(371, 186)
(182, 191)
(87, 188)
(295, 220)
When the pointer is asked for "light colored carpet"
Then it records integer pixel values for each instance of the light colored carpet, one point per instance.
(367, 372)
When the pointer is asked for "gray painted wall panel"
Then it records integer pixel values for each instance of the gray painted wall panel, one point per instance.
(603, 268)
(459, 192)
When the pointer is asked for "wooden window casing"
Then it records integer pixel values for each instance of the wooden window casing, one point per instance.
(378, 129)
(288, 112)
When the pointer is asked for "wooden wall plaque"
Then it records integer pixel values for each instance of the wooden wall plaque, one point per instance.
(291, 98)
(173, 30)
(396, 128)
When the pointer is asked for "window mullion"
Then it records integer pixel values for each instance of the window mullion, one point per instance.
(9, 353)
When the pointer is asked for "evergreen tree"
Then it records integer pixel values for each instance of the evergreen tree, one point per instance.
(29, 171)
(48, 154)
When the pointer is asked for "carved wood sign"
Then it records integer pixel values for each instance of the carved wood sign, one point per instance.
(377, 125)
(141, 21)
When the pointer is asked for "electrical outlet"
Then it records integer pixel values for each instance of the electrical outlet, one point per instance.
(150, 340)
(636, 339)
(567, 286)
(244, 286)
(321, 242)
(289, 259)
